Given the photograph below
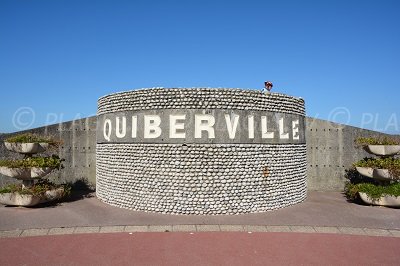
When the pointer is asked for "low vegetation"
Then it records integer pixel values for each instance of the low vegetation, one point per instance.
(38, 189)
(379, 163)
(52, 162)
(390, 163)
(364, 141)
(33, 138)
(373, 191)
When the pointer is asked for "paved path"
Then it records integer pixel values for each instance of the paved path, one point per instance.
(325, 229)
(323, 209)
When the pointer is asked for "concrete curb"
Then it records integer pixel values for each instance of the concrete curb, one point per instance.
(198, 228)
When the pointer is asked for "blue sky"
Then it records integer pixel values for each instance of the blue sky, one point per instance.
(58, 57)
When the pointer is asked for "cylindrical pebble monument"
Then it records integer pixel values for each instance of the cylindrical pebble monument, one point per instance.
(200, 151)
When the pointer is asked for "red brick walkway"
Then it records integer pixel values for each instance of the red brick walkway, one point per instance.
(216, 248)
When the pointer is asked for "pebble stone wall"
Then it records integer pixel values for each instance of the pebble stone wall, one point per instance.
(200, 98)
(201, 179)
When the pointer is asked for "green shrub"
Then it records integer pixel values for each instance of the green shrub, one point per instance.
(38, 189)
(390, 163)
(52, 162)
(363, 141)
(9, 189)
(33, 138)
(373, 191)
(378, 163)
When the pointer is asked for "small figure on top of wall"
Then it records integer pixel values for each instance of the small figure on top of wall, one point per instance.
(267, 86)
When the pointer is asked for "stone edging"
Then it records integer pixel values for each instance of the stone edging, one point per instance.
(199, 228)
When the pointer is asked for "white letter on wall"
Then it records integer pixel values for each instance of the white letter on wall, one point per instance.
(122, 133)
(231, 127)
(173, 126)
(250, 119)
(134, 126)
(107, 133)
(200, 126)
(282, 135)
(152, 128)
(295, 129)
(264, 129)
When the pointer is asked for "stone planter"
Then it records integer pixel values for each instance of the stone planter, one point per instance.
(28, 176)
(382, 174)
(389, 201)
(365, 171)
(25, 173)
(379, 174)
(26, 148)
(26, 200)
(384, 150)
(53, 194)
(16, 199)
